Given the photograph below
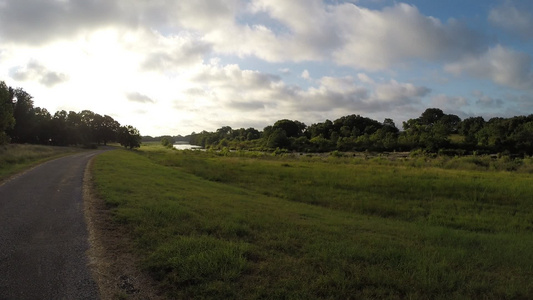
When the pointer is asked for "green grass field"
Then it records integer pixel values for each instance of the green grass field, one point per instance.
(249, 226)
(15, 158)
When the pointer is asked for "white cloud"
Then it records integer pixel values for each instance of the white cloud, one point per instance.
(487, 101)
(380, 39)
(400, 92)
(165, 54)
(138, 97)
(343, 32)
(263, 98)
(499, 64)
(285, 71)
(305, 75)
(450, 104)
(348, 34)
(44, 21)
(508, 17)
(35, 71)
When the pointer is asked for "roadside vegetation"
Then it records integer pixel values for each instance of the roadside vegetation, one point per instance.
(16, 157)
(248, 225)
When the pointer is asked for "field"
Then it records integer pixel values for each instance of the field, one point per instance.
(15, 158)
(249, 225)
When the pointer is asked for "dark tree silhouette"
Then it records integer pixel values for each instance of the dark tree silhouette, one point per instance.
(7, 121)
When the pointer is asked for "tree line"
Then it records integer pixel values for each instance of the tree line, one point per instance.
(21, 122)
(433, 131)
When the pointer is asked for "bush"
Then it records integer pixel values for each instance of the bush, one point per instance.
(166, 143)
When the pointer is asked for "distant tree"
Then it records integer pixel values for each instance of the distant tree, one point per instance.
(224, 132)
(320, 129)
(430, 116)
(390, 126)
(451, 123)
(107, 129)
(58, 129)
(23, 112)
(129, 137)
(166, 142)
(42, 130)
(7, 121)
(87, 128)
(252, 134)
(469, 128)
(277, 139)
(74, 131)
(321, 144)
(522, 138)
(430, 131)
(355, 125)
(291, 128)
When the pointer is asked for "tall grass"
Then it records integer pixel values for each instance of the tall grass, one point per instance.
(477, 200)
(214, 227)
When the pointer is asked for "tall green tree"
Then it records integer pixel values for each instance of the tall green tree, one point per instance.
(42, 129)
(7, 121)
(107, 130)
(291, 128)
(24, 114)
(129, 137)
(469, 128)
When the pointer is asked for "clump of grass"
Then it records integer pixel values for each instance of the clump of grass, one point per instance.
(198, 260)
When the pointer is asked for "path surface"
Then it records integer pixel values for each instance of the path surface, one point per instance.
(43, 234)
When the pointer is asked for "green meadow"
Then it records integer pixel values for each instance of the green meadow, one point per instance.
(244, 225)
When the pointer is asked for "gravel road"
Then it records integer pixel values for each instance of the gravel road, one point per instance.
(43, 234)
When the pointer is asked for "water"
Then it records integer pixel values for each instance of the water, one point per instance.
(185, 146)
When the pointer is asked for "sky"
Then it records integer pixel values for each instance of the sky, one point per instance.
(173, 67)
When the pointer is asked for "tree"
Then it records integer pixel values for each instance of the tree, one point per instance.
(58, 129)
(320, 129)
(129, 137)
(429, 131)
(389, 126)
(7, 121)
(277, 139)
(73, 122)
(23, 112)
(87, 127)
(291, 128)
(430, 116)
(451, 123)
(42, 126)
(469, 128)
(107, 129)
(252, 134)
(167, 142)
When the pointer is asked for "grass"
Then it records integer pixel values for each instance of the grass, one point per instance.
(17, 157)
(212, 227)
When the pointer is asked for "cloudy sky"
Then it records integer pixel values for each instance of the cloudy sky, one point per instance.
(174, 67)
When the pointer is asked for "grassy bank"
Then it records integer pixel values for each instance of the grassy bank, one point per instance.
(210, 226)
(16, 157)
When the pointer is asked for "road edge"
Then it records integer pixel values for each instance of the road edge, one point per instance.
(115, 268)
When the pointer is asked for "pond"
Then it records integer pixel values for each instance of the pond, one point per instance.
(186, 146)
